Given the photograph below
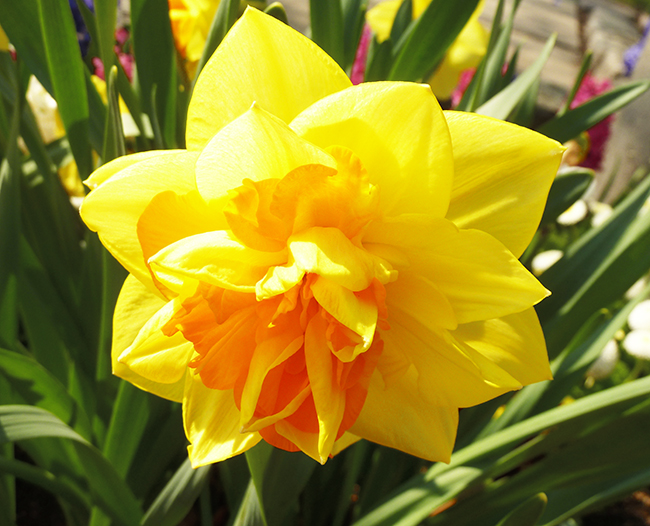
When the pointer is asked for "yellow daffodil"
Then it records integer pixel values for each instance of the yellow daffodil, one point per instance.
(191, 20)
(465, 52)
(325, 262)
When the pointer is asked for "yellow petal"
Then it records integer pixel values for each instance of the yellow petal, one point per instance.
(449, 373)
(503, 175)
(260, 60)
(269, 353)
(380, 18)
(329, 401)
(135, 305)
(515, 343)
(266, 148)
(211, 421)
(418, 297)
(4, 41)
(346, 440)
(155, 356)
(399, 417)
(477, 274)
(328, 253)
(170, 217)
(353, 312)
(399, 132)
(465, 52)
(114, 208)
(278, 280)
(115, 166)
(215, 258)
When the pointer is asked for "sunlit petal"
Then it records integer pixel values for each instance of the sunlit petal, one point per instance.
(260, 60)
(212, 426)
(502, 178)
(399, 133)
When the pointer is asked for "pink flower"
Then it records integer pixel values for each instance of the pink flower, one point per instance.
(599, 134)
(359, 66)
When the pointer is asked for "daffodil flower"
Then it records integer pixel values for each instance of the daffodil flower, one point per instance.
(465, 52)
(324, 262)
(191, 20)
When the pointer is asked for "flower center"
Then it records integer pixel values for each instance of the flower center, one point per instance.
(298, 353)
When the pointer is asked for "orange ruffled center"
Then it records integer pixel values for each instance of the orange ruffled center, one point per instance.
(298, 353)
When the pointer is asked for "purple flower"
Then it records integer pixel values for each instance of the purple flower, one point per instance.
(82, 33)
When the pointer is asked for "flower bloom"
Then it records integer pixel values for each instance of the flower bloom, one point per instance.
(637, 343)
(325, 262)
(606, 361)
(465, 52)
(639, 318)
(191, 20)
(599, 134)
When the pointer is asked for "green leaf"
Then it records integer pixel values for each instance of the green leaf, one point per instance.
(279, 478)
(106, 16)
(128, 421)
(524, 112)
(414, 501)
(21, 22)
(424, 43)
(155, 56)
(568, 186)
(527, 513)
(177, 497)
(575, 121)
(402, 20)
(250, 511)
(354, 17)
(38, 387)
(584, 68)
(276, 10)
(492, 81)
(46, 480)
(113, 134)
(67, 74)
(108, 491)
(378, 60)
(10, 173)
(596, 270)
(326, 18)
(503, 103)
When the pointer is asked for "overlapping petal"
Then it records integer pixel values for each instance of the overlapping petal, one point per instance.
(114, 208)
(388, 412)
(478, 275)
(260, 60)
(266, 149)
(398, 131)
(214, 434)
(515, 343)
(216, 258)
(503, 173)
(449, 373)
(136, 304)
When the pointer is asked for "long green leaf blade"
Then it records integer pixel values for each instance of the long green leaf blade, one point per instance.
(575, 121)
(67, 74)
(177, 497)
(425, 42)
(327, 27)
(503, 103)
